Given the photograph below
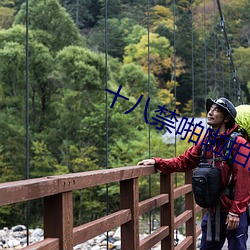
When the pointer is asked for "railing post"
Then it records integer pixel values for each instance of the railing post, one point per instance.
(58, 219)
(129, 198)
(167, 210)
(190, 205)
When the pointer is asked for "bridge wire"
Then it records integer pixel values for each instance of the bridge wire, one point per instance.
(192, 73)
(221, 46)
(27, 204)
(107, 124)
(229, 55)
(229, 83)
(174, 75)
(149, 134)
(215, 52)
(205, 50)
(175, 94)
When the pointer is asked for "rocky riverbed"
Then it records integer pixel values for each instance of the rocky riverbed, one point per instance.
(16, 238)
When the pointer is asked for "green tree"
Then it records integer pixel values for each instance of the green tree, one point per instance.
(161, 58)
(6, 17)
(241, 56)
(117, 32)
(13, 60)
(53, 25)
(84, 13)
(42, 163)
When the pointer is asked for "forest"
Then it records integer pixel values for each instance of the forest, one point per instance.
(56, 113)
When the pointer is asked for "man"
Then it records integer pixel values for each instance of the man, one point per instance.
(221, 115)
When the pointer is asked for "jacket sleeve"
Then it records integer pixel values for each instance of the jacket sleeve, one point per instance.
(241, 175)
(185, 162)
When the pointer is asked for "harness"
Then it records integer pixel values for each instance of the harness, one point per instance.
(229, 190)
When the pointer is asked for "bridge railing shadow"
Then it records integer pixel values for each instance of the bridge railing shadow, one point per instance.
(56, 192)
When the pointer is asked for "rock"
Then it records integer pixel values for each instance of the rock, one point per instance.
(23, 240)
(18, 234)
(18, 228)
(117, 244)
(38, 232)
(117, 234)
(13, 243)
(111, 233)
(100, 238)
(95, 248)
(3, 233)
(103, 243)
(111, 239)
(81, 246)
(18, 247)
(16, 238)
(91, 242)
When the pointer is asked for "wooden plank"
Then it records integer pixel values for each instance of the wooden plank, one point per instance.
(90, 230)
(185, 244)
(58, 219)
(182, 190)
(129, 196)
(24, 190)
(190, 205)
(167, 210)
(46, 244)
(154, 238)
(98, 177)
(152, 203)
(198, 208)
(198, 231)
(182, 218)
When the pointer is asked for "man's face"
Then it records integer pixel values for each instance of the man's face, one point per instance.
(215, 116)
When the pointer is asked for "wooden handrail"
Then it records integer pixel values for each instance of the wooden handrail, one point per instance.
(58, 208)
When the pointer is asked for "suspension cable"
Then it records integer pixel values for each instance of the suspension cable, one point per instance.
(221, 68)
(149, 141)
(174, 59)
(107, 120)
(205, 51)
(192, 75)
(27, 207)
(175, 94)
(215, 52)
(229, 53)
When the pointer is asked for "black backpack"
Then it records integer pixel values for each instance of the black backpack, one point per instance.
(206, 185)
(206, 179)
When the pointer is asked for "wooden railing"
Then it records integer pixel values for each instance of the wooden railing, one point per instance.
(59, 232)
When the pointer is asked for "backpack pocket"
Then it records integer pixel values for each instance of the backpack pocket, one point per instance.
(206, 183)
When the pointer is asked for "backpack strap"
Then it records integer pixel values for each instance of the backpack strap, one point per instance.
(203, 153)
(229, 191)
(226, 150)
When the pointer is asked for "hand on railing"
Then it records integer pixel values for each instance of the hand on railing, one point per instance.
(146, 162)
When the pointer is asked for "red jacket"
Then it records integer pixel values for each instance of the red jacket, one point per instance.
(241, 176)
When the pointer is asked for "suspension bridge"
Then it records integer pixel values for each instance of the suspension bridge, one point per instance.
(56, 192)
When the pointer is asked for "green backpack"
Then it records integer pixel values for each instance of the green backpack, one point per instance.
(243, 119)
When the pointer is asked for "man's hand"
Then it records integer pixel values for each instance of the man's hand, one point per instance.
(232, 221)
(146, 162)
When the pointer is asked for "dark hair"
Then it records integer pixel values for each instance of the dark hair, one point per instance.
(231, 122)
(244, 133)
